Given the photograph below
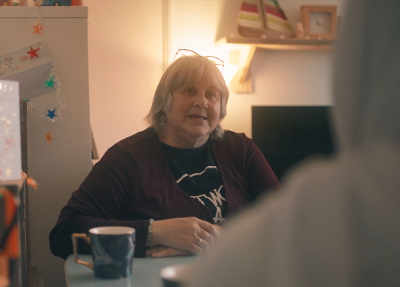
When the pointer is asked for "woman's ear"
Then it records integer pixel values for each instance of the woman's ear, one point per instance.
(162, 120)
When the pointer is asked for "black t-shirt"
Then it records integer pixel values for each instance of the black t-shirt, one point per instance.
(196, 173)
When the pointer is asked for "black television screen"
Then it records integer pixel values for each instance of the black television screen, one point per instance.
(288, 134)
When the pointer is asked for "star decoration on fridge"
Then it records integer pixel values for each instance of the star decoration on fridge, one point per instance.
(30, 181)
(51, 114)
(50, 83)
(33, 52)
(48, 137)
(8, 171)
(38, 29)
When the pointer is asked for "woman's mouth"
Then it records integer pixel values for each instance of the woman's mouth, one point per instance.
(197, 117)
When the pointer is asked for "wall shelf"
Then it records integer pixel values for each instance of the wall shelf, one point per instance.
(245, 48)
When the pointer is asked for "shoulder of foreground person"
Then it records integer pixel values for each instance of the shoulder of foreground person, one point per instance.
(308, 234)
(255, 248)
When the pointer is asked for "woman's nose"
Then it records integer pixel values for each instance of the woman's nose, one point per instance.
(201, 100)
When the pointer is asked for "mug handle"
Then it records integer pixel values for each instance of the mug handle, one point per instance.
(75, 237)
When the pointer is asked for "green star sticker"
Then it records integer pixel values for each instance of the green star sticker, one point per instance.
(22, 100)
(50, 83)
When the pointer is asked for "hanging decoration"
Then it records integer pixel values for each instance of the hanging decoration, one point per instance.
(38, 28)
(33, 67)
(48, 137)
(33, 53)
(29, 180)
(51, 114)
(50, 82)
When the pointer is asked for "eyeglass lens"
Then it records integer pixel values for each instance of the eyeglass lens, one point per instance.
(187, 53)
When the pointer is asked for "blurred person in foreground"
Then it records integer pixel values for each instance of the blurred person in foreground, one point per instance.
(176, 181)
(336, 222)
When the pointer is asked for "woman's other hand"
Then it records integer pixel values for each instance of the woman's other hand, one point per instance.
(185, 234)
(162, 251)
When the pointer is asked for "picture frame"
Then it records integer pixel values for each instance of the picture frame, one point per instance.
(319, 21)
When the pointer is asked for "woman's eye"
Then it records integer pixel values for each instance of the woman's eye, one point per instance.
(212, 96)
(190, 90)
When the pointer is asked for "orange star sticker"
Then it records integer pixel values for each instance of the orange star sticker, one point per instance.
(48, 137)
(30, 181)
(32, 52)
(38, 29)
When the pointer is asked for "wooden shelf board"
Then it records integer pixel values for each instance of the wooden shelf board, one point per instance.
(280, 44)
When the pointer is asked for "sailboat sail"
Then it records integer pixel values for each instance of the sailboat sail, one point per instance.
(263, 17)
(250, 19)
(276, 19)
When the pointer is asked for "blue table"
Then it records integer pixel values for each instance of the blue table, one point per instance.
(145, 273)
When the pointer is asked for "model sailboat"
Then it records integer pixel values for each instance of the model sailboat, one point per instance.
(263, 17)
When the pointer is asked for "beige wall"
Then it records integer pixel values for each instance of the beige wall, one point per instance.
(125, 64)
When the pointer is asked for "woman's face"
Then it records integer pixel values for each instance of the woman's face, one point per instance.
(193, 115)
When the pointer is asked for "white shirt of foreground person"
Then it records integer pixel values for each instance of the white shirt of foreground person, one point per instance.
(335, 222)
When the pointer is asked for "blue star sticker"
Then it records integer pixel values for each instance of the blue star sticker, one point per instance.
(51, 114)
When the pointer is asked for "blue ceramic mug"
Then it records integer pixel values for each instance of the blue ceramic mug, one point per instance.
(112, 250)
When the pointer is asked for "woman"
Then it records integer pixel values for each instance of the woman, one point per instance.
(175, 181)
(335, 222)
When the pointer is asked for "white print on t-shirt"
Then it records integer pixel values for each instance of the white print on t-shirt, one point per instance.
(195, 174)
(216, 198)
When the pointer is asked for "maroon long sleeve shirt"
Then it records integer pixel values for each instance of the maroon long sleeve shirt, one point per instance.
(133, 183)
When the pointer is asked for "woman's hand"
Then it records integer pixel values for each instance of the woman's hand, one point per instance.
(185, 234)
(162, 251)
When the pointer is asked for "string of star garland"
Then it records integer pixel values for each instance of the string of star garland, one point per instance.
(29, 180)
(54, 114)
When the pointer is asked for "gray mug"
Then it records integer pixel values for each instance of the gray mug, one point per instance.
(112, 250)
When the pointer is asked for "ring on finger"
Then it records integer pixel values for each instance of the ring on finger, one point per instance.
(200, 241)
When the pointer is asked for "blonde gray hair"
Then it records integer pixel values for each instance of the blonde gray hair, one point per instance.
(180, 72)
